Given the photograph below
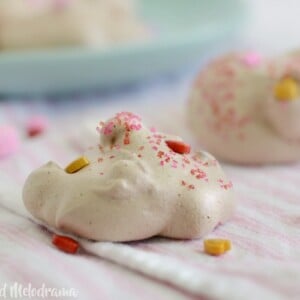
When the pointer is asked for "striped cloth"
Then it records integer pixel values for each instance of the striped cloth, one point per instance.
(264, 262)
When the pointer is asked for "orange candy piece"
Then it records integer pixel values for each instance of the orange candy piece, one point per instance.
(179, 147)
(216, 246)
(65, 243)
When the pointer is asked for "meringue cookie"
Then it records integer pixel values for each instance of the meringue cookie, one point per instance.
(48, 23)
(246, 109)
(133, 188)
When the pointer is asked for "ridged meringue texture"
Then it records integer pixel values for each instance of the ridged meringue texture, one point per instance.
(246, 109)
(134, 187)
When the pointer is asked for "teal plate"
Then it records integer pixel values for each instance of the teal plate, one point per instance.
(184, 30)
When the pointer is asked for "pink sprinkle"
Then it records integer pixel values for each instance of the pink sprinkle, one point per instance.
(251, 59)
(153, 129)
(9, 141)
(154, 148)
(108, 128)
(36, 125)
(162, 163)
(135, 127)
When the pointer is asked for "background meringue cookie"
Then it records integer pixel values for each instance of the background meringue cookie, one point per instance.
(135, 187)
(245, 109)
(52, 23)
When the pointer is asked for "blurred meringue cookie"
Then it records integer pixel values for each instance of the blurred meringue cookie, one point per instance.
(135, 184)
(246, 109)
(52, 23)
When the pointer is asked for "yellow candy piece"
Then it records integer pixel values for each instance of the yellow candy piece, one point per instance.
(287, 89)
(216, 246)
(77, 165)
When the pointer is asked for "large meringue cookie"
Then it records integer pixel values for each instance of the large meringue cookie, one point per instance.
(244, 109)
(135, 187)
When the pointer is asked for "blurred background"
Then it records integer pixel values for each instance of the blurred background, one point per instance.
(137, 56)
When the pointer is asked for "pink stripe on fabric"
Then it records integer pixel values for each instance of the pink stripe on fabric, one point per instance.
(229, 232)
(284, 178)
(140, 293)
(288, 176)
(270, 190)
(6, 263)
(22, 275)
(246, 243)
(133, 289)
(262, 207)
(257, 226)
(274, 214)
(55, 259)
(257, 278)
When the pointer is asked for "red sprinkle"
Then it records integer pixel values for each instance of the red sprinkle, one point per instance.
(191, 187)
(160, 154)
(179, 147)
(36, 125)
(65, 244)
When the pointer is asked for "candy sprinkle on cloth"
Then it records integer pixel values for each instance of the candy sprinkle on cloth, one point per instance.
(216, 246)
(65, 244)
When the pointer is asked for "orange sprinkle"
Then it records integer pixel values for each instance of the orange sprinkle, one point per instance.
(216, 246)
(65, 244)
(179, 147)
